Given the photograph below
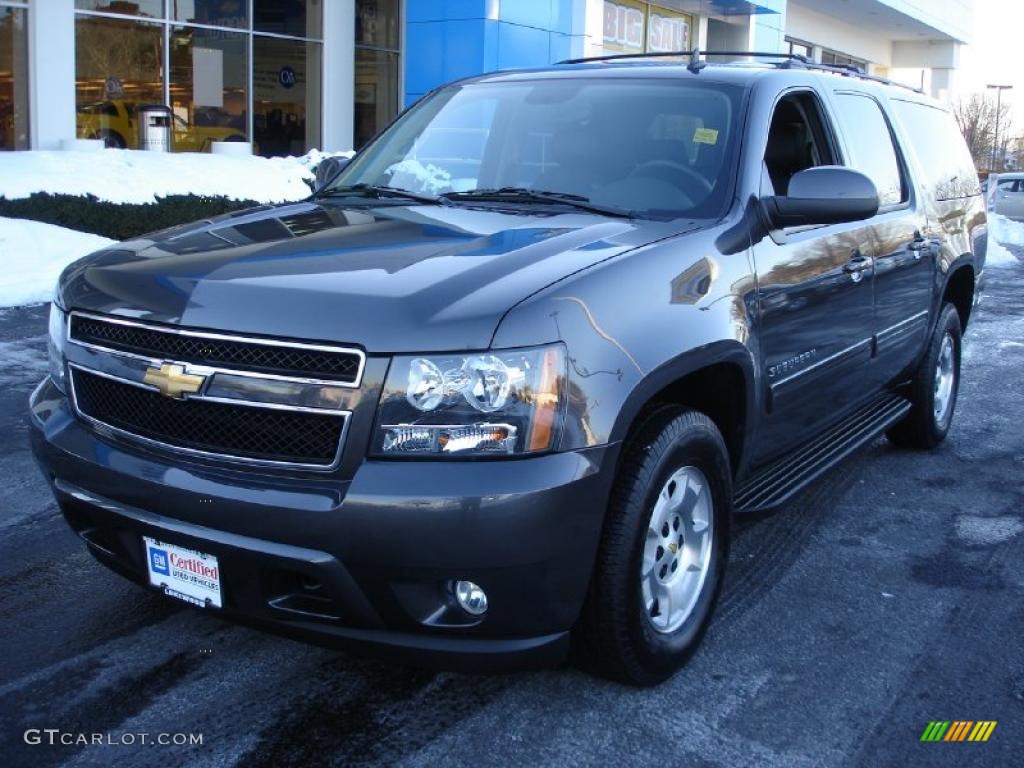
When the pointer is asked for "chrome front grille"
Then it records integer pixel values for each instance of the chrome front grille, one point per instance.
(281, 358)
(245, 401)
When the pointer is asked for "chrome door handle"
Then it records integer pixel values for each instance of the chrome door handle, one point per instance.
(857, 266)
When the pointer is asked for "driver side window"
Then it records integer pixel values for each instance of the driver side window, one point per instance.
(797, 140)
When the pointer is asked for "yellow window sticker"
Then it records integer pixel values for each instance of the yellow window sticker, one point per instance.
(705, 136)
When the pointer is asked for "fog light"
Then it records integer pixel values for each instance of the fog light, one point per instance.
(470, 597)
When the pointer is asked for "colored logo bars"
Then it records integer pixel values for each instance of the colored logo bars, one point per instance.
(958, 730)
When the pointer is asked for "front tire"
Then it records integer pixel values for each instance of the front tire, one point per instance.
(934, 389)
(663, 551)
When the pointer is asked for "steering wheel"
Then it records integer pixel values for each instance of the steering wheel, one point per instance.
(669, 170)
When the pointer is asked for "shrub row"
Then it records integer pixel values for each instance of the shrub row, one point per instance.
(119, 221)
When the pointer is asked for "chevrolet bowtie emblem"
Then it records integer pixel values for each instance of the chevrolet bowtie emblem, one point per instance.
(172, 380)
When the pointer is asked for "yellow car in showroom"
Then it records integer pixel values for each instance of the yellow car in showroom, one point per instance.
(114, 122)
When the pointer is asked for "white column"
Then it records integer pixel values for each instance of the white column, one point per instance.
(51, 50)
(943, 83)
(702, 34)
(339, 75)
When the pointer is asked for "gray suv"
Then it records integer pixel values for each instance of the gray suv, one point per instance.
(494, 393)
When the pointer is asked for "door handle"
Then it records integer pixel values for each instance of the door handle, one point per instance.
(918, 245)
(857, 266)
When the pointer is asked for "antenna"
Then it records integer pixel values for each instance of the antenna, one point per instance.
(696, 65)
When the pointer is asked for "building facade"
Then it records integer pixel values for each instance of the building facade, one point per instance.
(293, 75)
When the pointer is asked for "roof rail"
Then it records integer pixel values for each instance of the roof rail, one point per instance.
(788, 61)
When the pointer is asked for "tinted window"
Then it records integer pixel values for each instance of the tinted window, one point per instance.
(655, 147)
(870, 143)
(1010, 185)
(940, 148)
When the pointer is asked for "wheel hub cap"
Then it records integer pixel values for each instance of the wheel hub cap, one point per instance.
(677, 549)
(945, 375)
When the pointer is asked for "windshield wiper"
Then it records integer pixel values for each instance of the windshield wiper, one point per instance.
(380, 191)
(526, 195)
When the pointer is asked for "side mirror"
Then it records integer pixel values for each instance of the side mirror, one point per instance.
(327, 170)
(829, 194)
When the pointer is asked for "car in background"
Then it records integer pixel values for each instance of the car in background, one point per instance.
(114, 122)
(1008, 198)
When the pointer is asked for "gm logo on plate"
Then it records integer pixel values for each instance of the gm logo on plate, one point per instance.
(158, 561)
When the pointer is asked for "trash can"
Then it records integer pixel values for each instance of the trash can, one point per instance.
(154, 122)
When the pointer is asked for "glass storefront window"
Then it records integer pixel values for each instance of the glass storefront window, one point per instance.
(151, 8)
(286, 95)
(13, 79)
(636, 26)
(376, 93)
(118, 65)
(297, 18)
(377, 39)
(208, 87)
(377, 23)
(214, 13)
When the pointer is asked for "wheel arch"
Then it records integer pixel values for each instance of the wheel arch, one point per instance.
(959, 290)
(717, 380)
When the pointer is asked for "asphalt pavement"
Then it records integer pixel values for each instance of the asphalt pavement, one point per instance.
(886, 596)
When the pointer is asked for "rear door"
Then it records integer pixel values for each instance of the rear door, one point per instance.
(904, 258)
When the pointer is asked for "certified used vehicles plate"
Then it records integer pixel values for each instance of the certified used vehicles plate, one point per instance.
(183, 573)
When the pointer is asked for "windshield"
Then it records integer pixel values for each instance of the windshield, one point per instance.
(661, 148)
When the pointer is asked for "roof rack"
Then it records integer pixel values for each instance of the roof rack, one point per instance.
(788, 61)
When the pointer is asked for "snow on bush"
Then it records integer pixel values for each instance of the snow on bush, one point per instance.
(33, 255)
(129, 176)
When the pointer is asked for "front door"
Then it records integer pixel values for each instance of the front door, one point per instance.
(815, 294)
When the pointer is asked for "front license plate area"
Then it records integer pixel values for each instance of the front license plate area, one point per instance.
(182, 573)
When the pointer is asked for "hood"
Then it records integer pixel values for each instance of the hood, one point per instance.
(390, 278)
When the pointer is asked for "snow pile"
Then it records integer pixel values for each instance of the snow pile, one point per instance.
(32, 256)
(129, 176)
(1002, 232)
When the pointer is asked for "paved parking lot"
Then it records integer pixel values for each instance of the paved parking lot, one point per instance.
(886, 596)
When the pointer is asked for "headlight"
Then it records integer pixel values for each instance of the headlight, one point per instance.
(491, 403)
(55, 345)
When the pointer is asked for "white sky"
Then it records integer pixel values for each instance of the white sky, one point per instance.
(996, 53)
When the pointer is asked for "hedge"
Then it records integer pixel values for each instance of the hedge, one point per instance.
(119, 221)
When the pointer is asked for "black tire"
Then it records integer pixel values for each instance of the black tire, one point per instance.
(922, 428)
(614, 637)
(111, 139)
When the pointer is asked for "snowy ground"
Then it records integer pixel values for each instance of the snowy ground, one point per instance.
(1001, 233)
(128, 176)
(33, 254)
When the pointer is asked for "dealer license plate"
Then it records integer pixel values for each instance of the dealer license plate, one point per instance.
(183, 573)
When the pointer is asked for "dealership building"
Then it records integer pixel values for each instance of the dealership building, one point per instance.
(292, 75)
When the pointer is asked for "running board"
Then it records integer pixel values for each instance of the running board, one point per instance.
(778, 482)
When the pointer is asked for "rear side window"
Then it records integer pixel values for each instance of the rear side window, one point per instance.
(870, 141)
(940, 148)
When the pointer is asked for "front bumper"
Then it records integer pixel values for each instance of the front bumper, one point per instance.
(363, 562)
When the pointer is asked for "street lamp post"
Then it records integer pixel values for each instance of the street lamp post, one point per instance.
(999, 109)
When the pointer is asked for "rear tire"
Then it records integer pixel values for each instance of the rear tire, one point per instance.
(111, 139)
(933, 391)
(663, 551)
